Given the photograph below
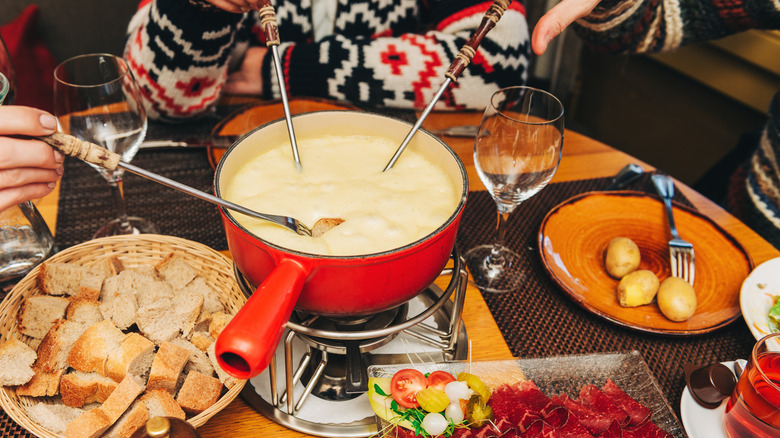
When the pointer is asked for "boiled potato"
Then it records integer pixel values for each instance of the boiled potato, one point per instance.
(622, 257)
(637, 288)
(676, 299)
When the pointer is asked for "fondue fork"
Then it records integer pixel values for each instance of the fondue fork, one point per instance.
(462, 60)
(100, 156)
(271, 33)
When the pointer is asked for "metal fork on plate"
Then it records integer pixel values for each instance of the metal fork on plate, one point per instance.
(680, 251)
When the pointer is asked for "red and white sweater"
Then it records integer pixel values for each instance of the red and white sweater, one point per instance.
(380, 54)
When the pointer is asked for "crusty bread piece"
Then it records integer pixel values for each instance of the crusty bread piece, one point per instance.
(38, 313)
(52, 416)
(187, 307)
(199, 361)
(133, 356)
(202, 340)
(211, 302)
(84, 309)
(91, 349)
(167, 365)
(176, 271)
(107, 267)
(92, 281)
(132, 420)
(60, 278)
(157, 321)
(121, 398)
(119, 300)
(219, 321)
(140, 281)
(224, 377)
(55, 346)
(16, 360)
(162, 404)
(90, 424)
(78, 389)
(121, 309)
(165, 319)
(198, 393)
(43, 383)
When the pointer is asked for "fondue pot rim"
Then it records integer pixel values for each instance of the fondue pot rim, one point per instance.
(455, 214)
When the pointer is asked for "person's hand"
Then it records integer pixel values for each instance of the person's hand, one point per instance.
(557, 19)
(237, 6)
(248, 79)
(29, 169)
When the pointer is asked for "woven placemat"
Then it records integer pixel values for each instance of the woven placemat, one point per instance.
(85, 202)
(540, 320)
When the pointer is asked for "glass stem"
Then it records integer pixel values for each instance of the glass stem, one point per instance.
(495, 257)
(117, 191)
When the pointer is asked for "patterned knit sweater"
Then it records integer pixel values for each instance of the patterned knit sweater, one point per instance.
(633, 26)
(381, 53)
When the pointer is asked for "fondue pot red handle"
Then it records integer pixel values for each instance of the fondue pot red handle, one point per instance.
(247, 344)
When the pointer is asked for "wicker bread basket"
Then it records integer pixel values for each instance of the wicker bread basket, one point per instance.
(133, 251)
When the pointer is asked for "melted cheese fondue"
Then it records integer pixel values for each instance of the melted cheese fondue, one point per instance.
(342, 178)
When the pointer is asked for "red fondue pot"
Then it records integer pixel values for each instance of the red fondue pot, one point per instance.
(318, 284)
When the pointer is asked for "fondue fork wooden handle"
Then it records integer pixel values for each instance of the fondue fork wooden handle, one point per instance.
(83, 150)
(271, 34)
(100, 156)
(467, 52)
(462, 60)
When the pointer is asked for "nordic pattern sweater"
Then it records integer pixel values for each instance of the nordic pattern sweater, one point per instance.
(632, 26)
(381, 53)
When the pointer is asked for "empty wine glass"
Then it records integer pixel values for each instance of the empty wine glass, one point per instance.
(516, 153)
(97, 99)
(25, 238)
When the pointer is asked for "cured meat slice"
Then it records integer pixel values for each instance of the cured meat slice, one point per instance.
(531, 396)
(637, 412)
(565, 422)
(508, 403)
(594, 421)
(613, 431)
(592, 397)
(646, 430)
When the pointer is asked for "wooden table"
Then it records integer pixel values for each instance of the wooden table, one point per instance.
(583, 158)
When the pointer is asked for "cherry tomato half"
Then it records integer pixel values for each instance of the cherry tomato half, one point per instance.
(404, 387)
(440, 379)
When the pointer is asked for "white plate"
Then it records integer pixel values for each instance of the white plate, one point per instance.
(700, 422)
(756, 296)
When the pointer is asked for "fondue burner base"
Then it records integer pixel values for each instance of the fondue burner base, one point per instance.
(328, 410)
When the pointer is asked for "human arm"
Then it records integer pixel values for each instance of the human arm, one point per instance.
(179, 52)
(641, 26)
(29, 169)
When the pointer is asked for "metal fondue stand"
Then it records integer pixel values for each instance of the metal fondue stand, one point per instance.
(447, 339)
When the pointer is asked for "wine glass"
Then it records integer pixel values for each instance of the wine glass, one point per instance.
(516, 153)
(97, 99)
(25, 238)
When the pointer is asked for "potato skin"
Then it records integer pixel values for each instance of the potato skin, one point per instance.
(621, 257)
(677, 299)
(637, 288)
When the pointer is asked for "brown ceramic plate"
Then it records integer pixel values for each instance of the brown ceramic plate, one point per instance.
(249, 118)
(575, 233)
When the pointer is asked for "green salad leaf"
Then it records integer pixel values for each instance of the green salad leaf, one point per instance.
(774, 315)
